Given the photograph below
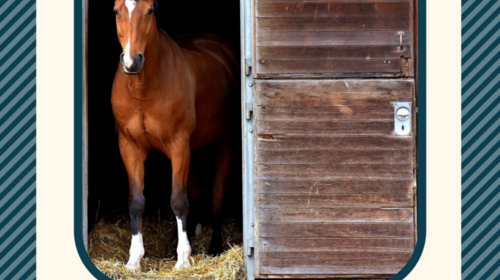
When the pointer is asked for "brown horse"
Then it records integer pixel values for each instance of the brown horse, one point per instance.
(171, 96)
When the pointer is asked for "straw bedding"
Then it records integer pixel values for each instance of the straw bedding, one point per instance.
(109, 243)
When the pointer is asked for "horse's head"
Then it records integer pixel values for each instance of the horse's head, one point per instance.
(135, 20)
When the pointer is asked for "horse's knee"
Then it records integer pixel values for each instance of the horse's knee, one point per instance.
(180, 205)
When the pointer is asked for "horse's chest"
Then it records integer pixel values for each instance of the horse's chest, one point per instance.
(145, 131)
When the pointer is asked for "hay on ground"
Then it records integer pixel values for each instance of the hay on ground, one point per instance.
(109, 243)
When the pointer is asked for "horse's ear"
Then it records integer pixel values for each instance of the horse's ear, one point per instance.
(157, 13)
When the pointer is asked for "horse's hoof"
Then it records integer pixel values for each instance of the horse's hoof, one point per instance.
(215, 249)
(180, 265)
(133, 266)
(198, 230)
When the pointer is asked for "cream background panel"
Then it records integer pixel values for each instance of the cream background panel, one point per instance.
(57, 257)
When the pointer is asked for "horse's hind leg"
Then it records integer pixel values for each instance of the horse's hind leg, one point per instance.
(194, 222)
(133, 159)
(223, 165)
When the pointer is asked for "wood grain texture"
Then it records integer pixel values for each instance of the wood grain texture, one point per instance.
(335, 157)
(393, 66)
(332, 92)
(325, 186)
(314, 200)
(325, 113)
(334, 186)
(329, 10)
(326, 128)
(341, 171)
(333, 142)
(338, 230)
(332, 52)
(342, 273)
(280, 244)
(333, 24)
(325, 215)
(330, 38)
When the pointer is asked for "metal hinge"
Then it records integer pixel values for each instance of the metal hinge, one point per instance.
(249, 110)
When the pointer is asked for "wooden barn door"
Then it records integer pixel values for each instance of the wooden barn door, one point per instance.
(334, 185)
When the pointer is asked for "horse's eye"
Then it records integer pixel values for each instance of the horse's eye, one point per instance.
(150, 12)
(116, 12)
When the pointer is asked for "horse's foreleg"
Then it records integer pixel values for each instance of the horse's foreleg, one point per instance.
(133, 159)
(180, 156)
(223, 165)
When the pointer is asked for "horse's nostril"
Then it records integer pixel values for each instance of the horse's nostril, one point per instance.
(140, 57)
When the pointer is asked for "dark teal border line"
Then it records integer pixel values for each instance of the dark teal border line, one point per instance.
(422, 136)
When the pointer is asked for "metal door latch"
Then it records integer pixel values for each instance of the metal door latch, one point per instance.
(248, 65)
(402, 118)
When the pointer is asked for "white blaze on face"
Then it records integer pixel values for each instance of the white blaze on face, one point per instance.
(130, 4)
(126, 57)
(183, 248)
(136, 252)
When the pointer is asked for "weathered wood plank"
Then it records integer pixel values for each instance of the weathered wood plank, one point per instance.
(329, 66)
(328, 10)
(328, 92)
(313, 200)
(330, 38)
(331, 1)
(318, 113)
(332, 52)
(341, 171)
(335, 157)
(324, 215)
(326, 128)
(280, 244)
(339, 230)
(333, 24)
(340, 270)
(323, 186)
(315, 142)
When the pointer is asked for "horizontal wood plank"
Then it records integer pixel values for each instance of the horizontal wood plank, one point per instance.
(314, 200)
(329, 66)
(331, 1)
(318, 113)
(328, 92)
(335, 157)
(341, 171)
(332, 52)
(339, 230)
(323, 186)
(326, 128)
(315, 142)
(280, 244)
(328, 10)
(333, 24)
(324, 215)
(340, 270)
(330, 38)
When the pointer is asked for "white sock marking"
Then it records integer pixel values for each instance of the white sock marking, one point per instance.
(130, 4)
(136, 252)
(183, 247)
(198, 230)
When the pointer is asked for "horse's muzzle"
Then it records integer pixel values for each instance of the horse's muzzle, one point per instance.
(133, 67)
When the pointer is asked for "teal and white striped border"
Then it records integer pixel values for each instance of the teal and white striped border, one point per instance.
(17, 139)
(480, 139)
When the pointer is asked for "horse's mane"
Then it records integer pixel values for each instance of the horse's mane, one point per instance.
(156, 10)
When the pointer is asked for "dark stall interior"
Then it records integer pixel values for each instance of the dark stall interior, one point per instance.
(108, 181)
